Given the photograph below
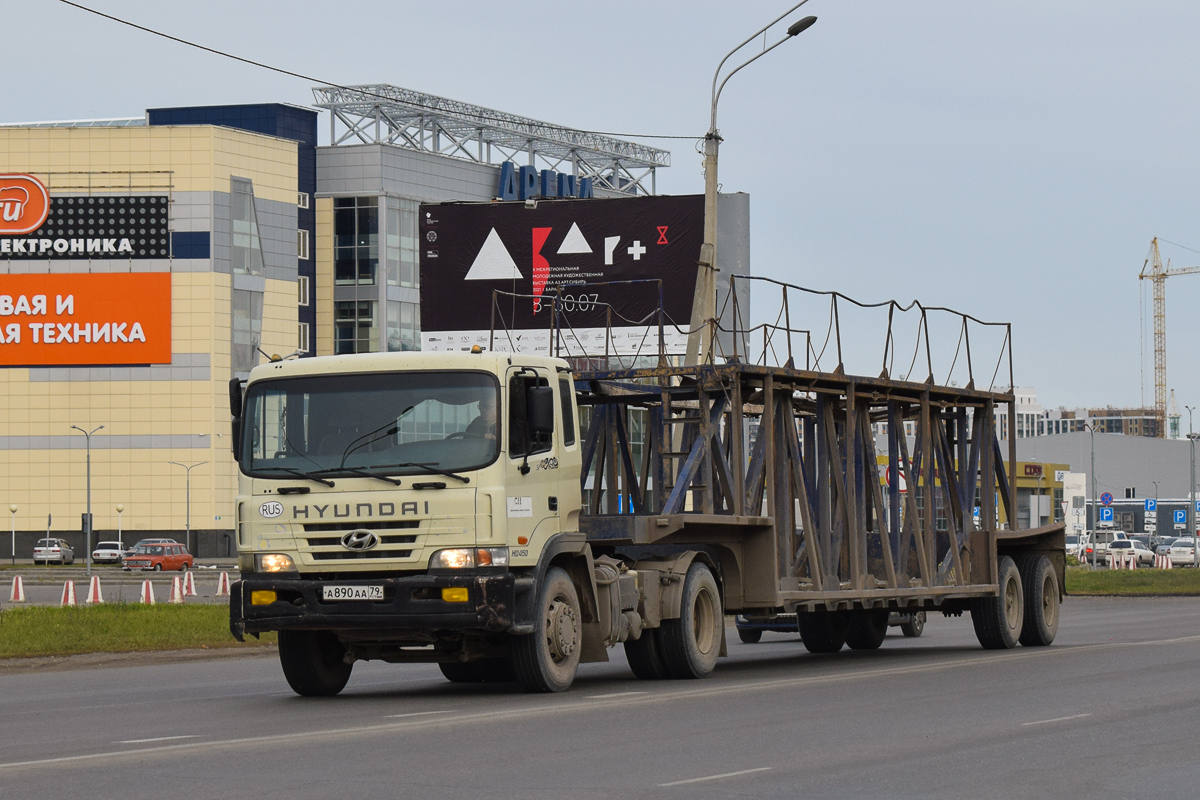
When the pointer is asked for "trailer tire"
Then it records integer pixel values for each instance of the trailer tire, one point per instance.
(750, 635)
(915, 625)
(645, 656)
(691, 643)
(1041, 600)
(313, 662)
(823, 631)
(998, 620)
(546, 660)
(867, 629)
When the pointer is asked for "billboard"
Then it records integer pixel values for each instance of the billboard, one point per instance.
(87, 318)
(597, 260)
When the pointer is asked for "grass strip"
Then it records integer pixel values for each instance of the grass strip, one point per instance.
(115, 628)
(1133, 583)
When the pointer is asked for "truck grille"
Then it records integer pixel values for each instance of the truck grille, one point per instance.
(347, 555)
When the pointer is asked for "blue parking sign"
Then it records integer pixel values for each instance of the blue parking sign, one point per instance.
(1151, 504)
(1198, 506)
(1181, 517)
(1106, 514)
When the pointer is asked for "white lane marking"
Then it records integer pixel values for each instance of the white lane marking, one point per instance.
(417, 714)
(1056, 719)
(567, 707)
(614, 694)
(156, 739)
(716, 777)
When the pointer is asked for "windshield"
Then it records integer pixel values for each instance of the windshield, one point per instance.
(386, 422)
(47, 543)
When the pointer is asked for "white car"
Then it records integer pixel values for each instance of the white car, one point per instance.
(1076, 545)
(47, 550)
(1122, 547)
(1183, 552)
(108, 553)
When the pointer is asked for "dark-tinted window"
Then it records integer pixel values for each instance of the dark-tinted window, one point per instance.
(565, 390)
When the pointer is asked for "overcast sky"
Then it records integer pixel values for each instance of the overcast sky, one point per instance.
(1011, 160)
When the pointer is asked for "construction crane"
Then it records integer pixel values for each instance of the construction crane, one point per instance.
(1158, 274)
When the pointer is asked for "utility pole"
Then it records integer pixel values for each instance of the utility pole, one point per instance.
(188, 522)
(87, 529)
(1192, 491)
(1095, 509)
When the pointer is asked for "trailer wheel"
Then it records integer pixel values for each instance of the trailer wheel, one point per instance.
(313, 662)
(750, 635)
(998, 620)
(690, 644)
(546, 660)
(823, 631)
(645, 656)
(867, 629)
(1041, 600)
(915, 625)
(458, 672)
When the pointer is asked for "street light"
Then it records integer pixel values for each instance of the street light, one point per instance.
(1095, 509)
(13, 508)
(704, 305)
(120, 508)
(188, 469)
(87, 532)
(1192, 493)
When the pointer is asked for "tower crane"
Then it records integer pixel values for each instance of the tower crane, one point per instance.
(1158, 275)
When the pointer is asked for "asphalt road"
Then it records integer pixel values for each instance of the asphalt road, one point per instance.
(1109, 711)
(44, 587)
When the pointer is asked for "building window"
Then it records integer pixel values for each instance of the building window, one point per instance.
(302, 290)
(402, 265)
(355, 327)
(245, 252)
(302, 244)
(403, 326)
(302, 199)
(355, 240)
(302, 344)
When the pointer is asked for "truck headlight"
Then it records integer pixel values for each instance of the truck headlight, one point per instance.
(467, 557)
(273, 562)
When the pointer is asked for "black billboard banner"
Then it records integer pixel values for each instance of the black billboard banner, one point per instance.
(589, 254)
(108, 227)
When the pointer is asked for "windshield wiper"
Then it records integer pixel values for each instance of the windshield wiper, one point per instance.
(357, 471)
(430, 467)
(308, 476)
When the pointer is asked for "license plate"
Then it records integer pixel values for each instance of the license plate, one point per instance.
(352, 592)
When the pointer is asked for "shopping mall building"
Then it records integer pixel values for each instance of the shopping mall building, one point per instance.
(144, 262)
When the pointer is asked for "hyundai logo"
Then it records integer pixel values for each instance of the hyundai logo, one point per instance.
(359, 540)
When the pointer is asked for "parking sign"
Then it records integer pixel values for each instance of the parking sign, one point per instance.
(1106, 514)
(1151, 504)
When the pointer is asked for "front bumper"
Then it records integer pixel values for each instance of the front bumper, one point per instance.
(409, 603)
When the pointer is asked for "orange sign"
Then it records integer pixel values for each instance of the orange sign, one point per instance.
(24, 204)
(97, 318)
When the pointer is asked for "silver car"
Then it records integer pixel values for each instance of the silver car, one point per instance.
(47, 550)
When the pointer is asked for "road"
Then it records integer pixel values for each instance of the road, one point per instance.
(1110, 711)
(44, 586)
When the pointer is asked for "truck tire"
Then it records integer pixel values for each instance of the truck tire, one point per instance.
(458, 672)
(998, 620)
(690, 644)
(645, 656)
(546, 660)
(1041, 600)
(867, 629)
(750, 635)
(493, 670)
(313, 662)
(823, 631)
(915, 625)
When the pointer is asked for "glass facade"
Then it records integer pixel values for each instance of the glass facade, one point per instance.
(355, 240)
(355, 327)
(403, 326)
(402, 265)
(246, 258)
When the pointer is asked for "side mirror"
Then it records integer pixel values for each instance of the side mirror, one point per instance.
(539, 409)
(235, 397)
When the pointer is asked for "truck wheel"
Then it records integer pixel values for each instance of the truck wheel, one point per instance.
(1041, 600)
(493, 670)
(867, 629)
(998, 620)
(915, 625)
(313, 662)
(823, 631)
(750, 635)
(645, 656)
(458, 672)
(691, 643)
(546, 660)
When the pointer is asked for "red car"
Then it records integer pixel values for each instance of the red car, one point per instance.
(157, 557)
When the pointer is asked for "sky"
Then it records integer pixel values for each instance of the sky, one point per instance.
(1009, 160)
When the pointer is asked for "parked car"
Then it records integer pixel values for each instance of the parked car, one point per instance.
(108, 553)
(47, 550)
(1120, 547)
(1163, 546)
(1100, 541)
(1076, 545)
(141, 542)
(1183, 552)
(157, 557)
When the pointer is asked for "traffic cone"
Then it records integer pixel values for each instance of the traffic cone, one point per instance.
(1167, 560)
(68, 595)
(222, 585)
(94, 594)
(147, 593)
(176, 591)
(189, 584)
(17, 595)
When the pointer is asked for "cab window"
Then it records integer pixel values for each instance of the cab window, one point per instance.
(566, 390)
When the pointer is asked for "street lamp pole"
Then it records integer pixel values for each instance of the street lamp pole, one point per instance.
(188, 521)
(13, 508)
(120, 508)
(704, 304)
(1192, 492)
(1095, 509)
(87, 532)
